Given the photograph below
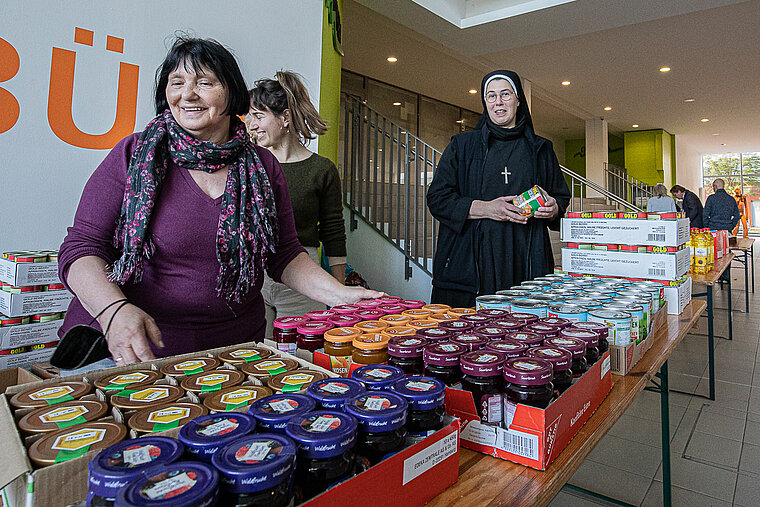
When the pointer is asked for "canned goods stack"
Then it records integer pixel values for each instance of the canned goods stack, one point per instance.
(29, 337)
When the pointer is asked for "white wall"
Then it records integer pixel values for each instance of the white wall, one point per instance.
(41, 176)
(688, 166)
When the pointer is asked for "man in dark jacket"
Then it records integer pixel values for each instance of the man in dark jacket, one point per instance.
(721, 212)
(692, 206)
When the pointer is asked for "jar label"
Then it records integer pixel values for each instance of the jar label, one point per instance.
(168, 415)
(238, 396)
(51, 393)
(321, 424)
(289, 348)
(138, 455)
(297, 379)
(551, 352)
(62, 415)
(149, 394)
(270, 365)
(169, 487)
(129, 378)
(189, 365)
(245, 354)
(378, 373)
(78, 439)
(257, 451)
(419, 386)
(486, 358)
(449, 348)
(505, 346)
(526, 365)
(334, 388)
(375, 403)
(213, 429)
(282, 406)
(410, 342)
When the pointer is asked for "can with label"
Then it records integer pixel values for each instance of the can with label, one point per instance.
(531, 200)
(619, 322)
(495, 302)
(531, 306)
(638, 317)
(571, 312)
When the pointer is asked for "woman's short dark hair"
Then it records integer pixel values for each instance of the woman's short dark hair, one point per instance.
(208, 54)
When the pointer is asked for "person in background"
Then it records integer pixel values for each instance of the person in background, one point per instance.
(743, 210)
(692, 206)
(283, 120)
(661, 202)
(484, 243)
(721, 211)
(182, 220)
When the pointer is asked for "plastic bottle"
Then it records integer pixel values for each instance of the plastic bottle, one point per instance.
(701, 253)
(711, 246)
(692, 241)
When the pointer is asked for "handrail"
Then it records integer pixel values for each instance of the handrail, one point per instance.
(386, 173)
(627, 187)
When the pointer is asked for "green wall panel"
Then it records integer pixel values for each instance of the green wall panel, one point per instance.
(329, 89)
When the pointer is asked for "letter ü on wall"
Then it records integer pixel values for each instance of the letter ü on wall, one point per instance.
(61, 92)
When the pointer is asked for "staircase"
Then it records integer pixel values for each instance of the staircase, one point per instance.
(386, 172)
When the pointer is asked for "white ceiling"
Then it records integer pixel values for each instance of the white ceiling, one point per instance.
(610, 50)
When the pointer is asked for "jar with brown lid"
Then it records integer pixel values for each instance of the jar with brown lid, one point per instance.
(62, 415)
(264, 369)
(165, 416)
(190, 366)
(127, 380)
(212, 381)
(370, 348)
(70, 443)
(294, 381)
(49, 394)
(145, 397)
(242, 355)
(236, 397)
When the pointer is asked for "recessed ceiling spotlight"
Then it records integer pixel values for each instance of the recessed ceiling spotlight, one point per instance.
(473, 91)
(565, 83)
(392, 59)
(635, 125)
(722, 144)
(608, 108)
(397, 103)
(716, 134)
(460, 121)
(664, 69)
(690, 99)
(705, 120)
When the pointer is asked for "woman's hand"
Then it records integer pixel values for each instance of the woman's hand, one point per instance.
(500, 209)
(350, 295)
(549, 211)
(129, 332)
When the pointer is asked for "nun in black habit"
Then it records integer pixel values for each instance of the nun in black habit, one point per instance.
(484, 243)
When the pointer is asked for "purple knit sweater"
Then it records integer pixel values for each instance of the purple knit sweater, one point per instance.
(178, 288)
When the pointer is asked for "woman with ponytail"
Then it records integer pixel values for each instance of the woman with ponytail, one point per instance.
(283, 119)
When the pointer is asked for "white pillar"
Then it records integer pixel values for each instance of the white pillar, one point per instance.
(596, 152)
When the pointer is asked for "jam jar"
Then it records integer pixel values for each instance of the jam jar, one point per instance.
(417, 313)
(529, 381)
(511, 325)
(285, 332)
(457, 326)
(412, 304)
(345, 309)
(491, 332)
(591, 339)
(369, 314)
(435, 334)
(528, 338)
(325, 440)
(205, 435)
(476, 319)
(482, 376)
(458, 312)
(510, 348)
(256, 470)
(273, 412)
(555, 322)
(577, 348)
(426, 411)
(561, 360)
(391, 308)
(339, 341)
(405, 352)
(179, 484)
(390, 332)
(311, 335)
(600, 329)
(493, 313)
(369, 304)
(381, 416)
(470, 340)
(370, 348)
(344, 320)
(371, 326)
(395, 319)
(525, 318)
(442, 317)
(423, 324)
(114, 467)
(437, 309)
(332, 393)
(442, 361)
(544, 330)
(377, 377)
(320, 315)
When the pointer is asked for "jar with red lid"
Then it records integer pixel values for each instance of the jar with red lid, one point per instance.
(561, 360)
(509, 348)
(434, 334)
(411, 303)
(442, 361)
(577, 348)
(344, 320)
(526, 337)
(511, 325)
(491, 332)
(493, 313)
(598, 328)
(345, 309)
(368, 304)
(285, 332)
(544, 330)
(369, 314)
(476, 319)
(482, 373)
(405, 352)
(311, 335)
(457, 326)
(391, 308)
(471, 341)
(320, 315)
(591, 339)
(525, 318)
(529, 381)
(555, 322)
(389, 299)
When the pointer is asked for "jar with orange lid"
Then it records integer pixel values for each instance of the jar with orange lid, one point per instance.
(399, 331)
(371, 326)
(417, 313)
(395, 319)
(423, 324)
(437, 308)
(442, 317)
(370, 348)
(339, 341)
(458, 312)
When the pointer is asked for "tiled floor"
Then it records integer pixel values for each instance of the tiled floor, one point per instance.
(715, 445)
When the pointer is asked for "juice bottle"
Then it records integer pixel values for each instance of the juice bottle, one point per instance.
(711, 245)
(701, 253)
(692, 241)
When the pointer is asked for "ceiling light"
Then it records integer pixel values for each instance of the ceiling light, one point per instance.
(397, 103)
(664, 69)
(473, 91)
(608, 108)
(460, 121)
(705, 120)
(689, 99)
(716, 134)
(635, 125)
(722, 144)
(565, 83)
(392, 59)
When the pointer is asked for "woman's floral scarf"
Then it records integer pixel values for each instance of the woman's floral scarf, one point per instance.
(247, 223)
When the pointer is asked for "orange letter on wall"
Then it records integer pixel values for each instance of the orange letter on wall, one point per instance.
(9, 64)
(60, 97)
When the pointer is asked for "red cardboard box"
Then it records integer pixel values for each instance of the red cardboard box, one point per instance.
(535, 436)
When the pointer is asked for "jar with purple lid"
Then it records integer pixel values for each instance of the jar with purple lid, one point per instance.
(320, 315)
(426, 397)
(325, 440)
(591, 339)
(434, 334)
(598, 328)
(344, 320)
(442, 361)
(332, 393)
(561, 360)
(491, 332)
(493, 313)
(405, 352)
(345, 309)
(510, 348)
(476, 319)
(577, 348)
(510, 324)
(255, 470)
(457, 326)
(529, 381)
(391, 308)
(544, 330)
(273, 412)
(285, 332)
(205, 435)
(525, 318)
(381, 416)
(555, 321)
(370, 314)
(528, 338)
(470, 340)
(115, 466)
(482, 375)
(178, 484)
(411, 304)
(311, 335)
(377, 376)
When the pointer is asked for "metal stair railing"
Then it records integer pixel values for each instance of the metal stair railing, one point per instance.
(627, 187)
(386, 173)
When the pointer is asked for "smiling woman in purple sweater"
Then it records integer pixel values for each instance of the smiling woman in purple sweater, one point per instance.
(182, 219)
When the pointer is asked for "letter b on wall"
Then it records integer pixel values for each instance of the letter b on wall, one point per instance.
(9, 65)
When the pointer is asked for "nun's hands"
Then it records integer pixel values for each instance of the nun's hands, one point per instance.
(500, 209)
(549, 211)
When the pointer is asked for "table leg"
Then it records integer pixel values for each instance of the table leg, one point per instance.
(746, 282)
(730, 313)
(752, 260)
(665, 423)
(711, 340)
